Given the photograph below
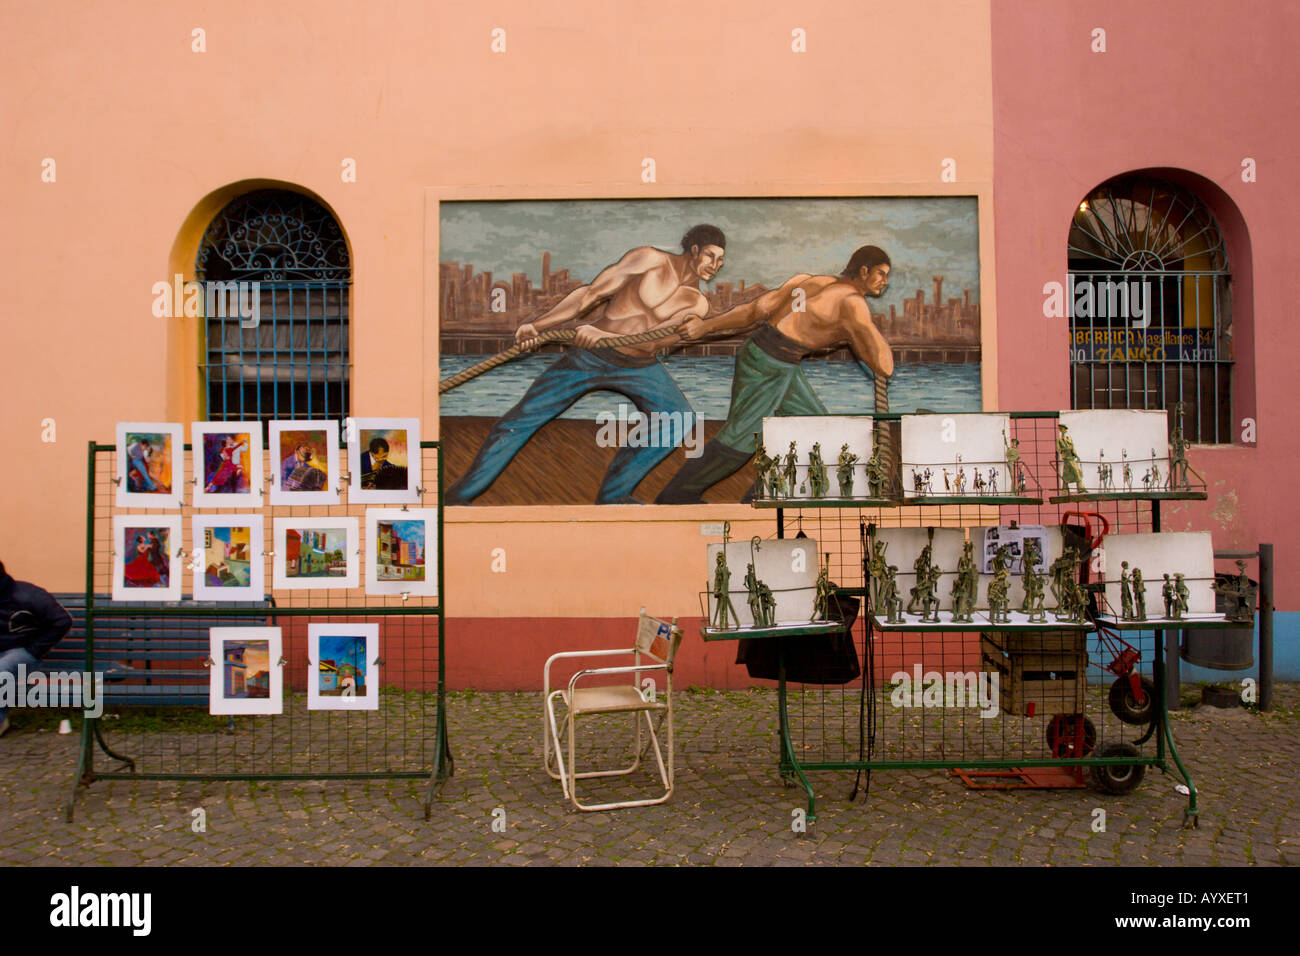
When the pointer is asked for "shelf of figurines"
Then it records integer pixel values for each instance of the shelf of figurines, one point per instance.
(968, 459)
(979, 620)
(779, 629)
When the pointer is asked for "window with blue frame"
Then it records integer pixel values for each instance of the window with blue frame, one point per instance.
(276, 274)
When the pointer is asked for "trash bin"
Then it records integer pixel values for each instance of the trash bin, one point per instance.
(1221, 649)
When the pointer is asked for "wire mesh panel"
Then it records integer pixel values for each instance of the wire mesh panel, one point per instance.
(966, 697)
(156, 658)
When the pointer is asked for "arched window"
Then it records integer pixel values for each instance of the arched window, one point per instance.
(275, 269)
(1150, 313)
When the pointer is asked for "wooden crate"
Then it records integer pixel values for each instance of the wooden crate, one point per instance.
(1037, 682)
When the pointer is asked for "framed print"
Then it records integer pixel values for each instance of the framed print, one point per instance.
(226, 558)
(227, 464)
(146, 558)
(304, 463)
(150, 469)
(343, 667)
(384, 461)
(315, 553)
(398, 548)
(246, 676)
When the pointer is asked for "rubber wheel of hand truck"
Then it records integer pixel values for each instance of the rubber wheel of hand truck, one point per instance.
(1118, 778)
(1126, 707)
(1061, 734)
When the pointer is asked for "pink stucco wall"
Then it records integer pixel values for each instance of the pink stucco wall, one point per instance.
(1190, 90)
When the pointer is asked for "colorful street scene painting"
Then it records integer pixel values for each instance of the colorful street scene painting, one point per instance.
(246, 670)
(226, 556)
(399, 550)
(342, 666)
(316, 553)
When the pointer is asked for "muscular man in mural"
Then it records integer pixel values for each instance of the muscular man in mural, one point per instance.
(807, 314)
(646, 289)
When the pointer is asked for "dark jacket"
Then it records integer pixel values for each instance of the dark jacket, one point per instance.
(30, 617)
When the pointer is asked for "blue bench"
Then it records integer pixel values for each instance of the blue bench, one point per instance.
(147, 659)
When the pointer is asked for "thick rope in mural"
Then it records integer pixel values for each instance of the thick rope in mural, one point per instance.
(554, 335)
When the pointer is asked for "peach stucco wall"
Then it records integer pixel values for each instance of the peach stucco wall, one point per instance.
(150, 139)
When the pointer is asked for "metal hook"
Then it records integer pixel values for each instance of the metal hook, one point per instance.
(116, 481)
(405, 595)
(283, 661)
(209, 662)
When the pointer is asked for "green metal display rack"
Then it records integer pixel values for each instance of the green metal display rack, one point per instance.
(855, 728)
(405, 738)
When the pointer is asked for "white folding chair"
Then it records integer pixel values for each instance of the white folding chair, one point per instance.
(656, 640)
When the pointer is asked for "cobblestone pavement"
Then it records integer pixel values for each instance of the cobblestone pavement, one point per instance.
(730, 808)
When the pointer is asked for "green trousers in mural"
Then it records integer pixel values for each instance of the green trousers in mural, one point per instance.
(762, 385)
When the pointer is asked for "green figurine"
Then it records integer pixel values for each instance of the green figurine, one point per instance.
(889, 598)
(1178, 453)
(876, 569)
(1239, 597)
(930, 595)
(817, 472)
(762, 465)
(1155, 471)
(822, 602)
(844, 473)
(1181, 594)
(1139, 596)
(768, 603)
(999, 602)
(875, 469)
(1125, 593)
(722, 593)
(1033, 603)
(791, 469)
(1168, 593)
(965, 588)
(1060, 571)
(922, 569)
(1071, 473)
(776, 478)
(755, 600)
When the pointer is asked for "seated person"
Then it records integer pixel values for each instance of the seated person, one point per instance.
(31, 623)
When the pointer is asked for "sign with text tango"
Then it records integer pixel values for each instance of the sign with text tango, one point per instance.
(1139, 345)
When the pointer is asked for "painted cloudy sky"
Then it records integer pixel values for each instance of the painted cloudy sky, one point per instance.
(768, 240)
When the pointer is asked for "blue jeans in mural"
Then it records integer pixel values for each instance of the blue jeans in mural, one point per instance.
(578, 372)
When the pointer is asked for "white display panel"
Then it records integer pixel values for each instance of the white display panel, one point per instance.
(788, 566)
(1117, 436)
(832, 432)
(953, 448)
(1190, 553)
